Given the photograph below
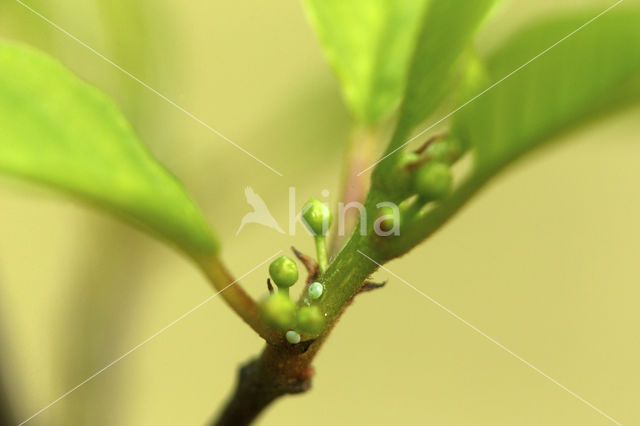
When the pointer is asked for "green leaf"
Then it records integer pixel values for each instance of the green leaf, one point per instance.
(57, 130)
(594, 71)
(368, 43)
(447, 29)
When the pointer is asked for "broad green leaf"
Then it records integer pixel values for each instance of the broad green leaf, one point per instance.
(594, 71)
(57, 130)
(368, 43)
(446, 30)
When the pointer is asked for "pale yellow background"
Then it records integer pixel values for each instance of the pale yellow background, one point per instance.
(545, 260)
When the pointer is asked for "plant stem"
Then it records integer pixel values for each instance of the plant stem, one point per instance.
(321, 252)
(425, 225)
(284, 369)
(360, 154)
(413, 209)
(236, 297)
(279, 371)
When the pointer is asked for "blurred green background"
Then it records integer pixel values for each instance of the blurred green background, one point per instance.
(544, 260)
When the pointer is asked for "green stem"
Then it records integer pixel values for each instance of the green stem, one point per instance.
(284, 290)
(361, 152)
(286, 369)
(424, 226)
(321, 251)
(413, 209)
(235, 296)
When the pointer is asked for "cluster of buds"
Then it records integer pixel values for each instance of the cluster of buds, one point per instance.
(422, 177)
(278, 309)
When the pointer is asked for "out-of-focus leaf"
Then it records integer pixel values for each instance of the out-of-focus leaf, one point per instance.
(446, 30)
(368, 43)
(57, 130)
(591, 73)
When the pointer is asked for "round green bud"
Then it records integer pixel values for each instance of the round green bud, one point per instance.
(444, 151)
(278, 311)
(283, 272)
(317, 216)
(400, 177)
(438, 151)
(433, 181)
(310, 319)
(315, 291)
(292, 337)
(386, 218)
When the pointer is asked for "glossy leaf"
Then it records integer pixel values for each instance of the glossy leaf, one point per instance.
(593, 72)
(57, 130)
(447, 29)
(368, 43)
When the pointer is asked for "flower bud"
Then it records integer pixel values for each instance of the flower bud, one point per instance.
(433, 181)
(278, 311)
(387, 220)
(444, 151)
(310, 319)
(315, 291)
(283, 272)
(399, 181)
(316, 217)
